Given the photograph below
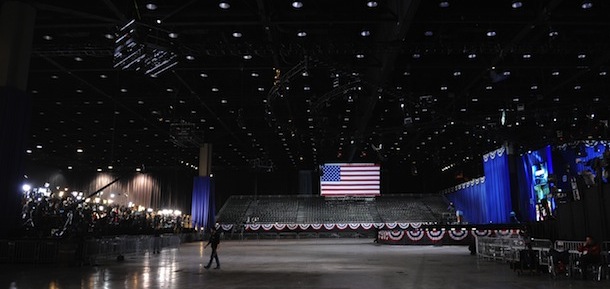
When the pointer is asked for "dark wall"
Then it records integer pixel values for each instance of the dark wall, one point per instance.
(588, 216)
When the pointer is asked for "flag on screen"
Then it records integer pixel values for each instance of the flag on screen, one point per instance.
(350, 179)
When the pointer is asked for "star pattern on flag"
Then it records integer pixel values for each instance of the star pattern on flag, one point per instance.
(331, 174)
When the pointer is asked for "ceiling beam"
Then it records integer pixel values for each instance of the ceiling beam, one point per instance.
(76, 13)
(377, 77)
(115, 10)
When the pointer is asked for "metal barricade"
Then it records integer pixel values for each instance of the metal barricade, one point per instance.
(504, 249)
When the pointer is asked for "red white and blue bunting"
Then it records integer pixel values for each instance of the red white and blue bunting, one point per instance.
(458, 235)
(415, 235)
(327, 227)
(226, 227)
(435, 235)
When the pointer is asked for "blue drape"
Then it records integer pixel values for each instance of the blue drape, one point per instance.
(577, 156)
(203, 207)
(530, 163)
(470, 199)
(497, 186)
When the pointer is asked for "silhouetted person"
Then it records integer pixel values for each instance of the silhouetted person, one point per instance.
(214, 241)
(590, 251)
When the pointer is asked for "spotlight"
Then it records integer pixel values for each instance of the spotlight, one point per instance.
(224, 4)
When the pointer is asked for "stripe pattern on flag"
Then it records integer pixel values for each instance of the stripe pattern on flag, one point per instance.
(350, 180)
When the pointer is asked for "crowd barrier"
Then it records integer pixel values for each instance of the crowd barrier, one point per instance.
(508, 249)
(82, 251)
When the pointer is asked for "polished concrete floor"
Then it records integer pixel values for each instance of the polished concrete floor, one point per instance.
(294, 264)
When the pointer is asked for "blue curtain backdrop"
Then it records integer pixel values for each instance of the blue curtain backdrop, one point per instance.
(470, 198)
(577, 155)
(531, 162)
(497, 186)
(203, 208)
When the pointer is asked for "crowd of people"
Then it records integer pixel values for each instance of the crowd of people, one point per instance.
(47, 215)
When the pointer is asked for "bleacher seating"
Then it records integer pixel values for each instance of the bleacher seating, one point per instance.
(303, 209)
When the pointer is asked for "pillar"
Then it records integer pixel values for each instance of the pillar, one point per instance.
(16, 29)
(203, 204)
(205, 160)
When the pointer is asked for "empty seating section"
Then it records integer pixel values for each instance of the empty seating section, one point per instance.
(234, 210)
(272, 209)
(299, 209)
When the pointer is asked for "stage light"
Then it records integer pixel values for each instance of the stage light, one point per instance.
(297, 4)
(26, 187)
(516, 4)
(151, 6)
(224, 5)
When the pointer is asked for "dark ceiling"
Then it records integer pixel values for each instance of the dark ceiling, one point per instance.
(408, 84)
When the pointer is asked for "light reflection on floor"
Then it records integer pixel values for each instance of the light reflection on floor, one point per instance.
(274, 264)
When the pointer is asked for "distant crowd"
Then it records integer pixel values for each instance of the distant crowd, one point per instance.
(53, 216)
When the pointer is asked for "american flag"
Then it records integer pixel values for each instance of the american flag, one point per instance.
(350, 179)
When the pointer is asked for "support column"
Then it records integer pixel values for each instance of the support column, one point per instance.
(203, 204)
(16, 29)
(205, 160)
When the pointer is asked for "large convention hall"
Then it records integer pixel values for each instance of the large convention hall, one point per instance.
(307, 144)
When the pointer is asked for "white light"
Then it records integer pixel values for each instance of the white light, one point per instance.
(372, 4)
(582, 56)
(224, 5)
(472, 56)
(517, 4)
(69, 167)
(416, 55)
(138, 169)
(47, 37)
(491, 33)
(99, 169)
(79, 59)
(79, 150)
(457, 73)
(26, 187)
(586, 5)
(365, 33)
(527, 56)
(173, 35)
(151, 6)
(38, 146)
(297, 4)
(443, 4)
(247, 56)
(112, 195)
(237, 34)
(555, 73)
(215, 89)
(428, 33)
(359, 56)
(110, 167)
(203, 75)
(301, 34)
(190, 57)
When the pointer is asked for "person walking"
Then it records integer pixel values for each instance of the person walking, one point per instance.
(214, 241)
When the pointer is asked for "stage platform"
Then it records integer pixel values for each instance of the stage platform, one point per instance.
(274, 264)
